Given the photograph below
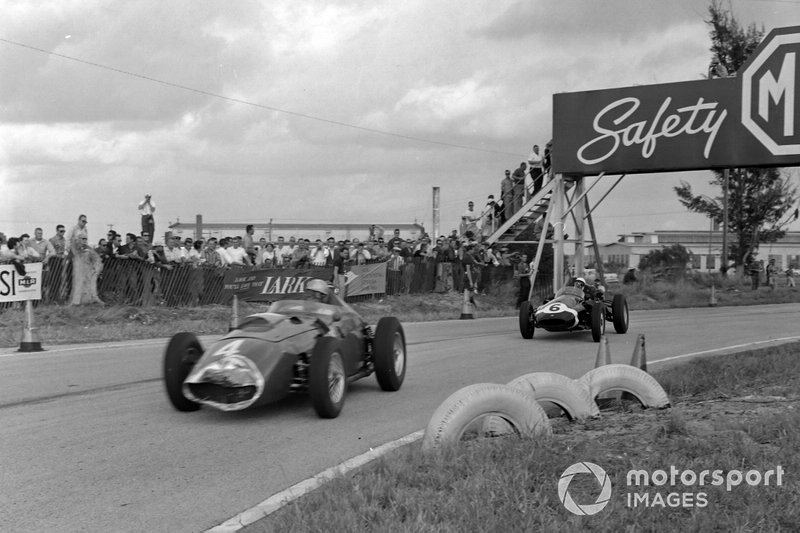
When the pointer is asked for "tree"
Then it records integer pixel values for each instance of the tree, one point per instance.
(669, 260)
(758, 198)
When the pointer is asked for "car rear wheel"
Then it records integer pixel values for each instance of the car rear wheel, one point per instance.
(526, 327)
(327, 381)
(183, 352)
(389, 348)
(619, 308)
(598, 321)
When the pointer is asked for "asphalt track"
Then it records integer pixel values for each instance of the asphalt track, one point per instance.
(89, 442)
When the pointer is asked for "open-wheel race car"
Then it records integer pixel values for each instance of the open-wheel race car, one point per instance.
(572, 309)
(296, 346)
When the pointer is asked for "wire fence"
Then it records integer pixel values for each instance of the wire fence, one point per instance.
(140, 283)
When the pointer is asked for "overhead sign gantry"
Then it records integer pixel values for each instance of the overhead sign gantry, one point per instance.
(750, 120)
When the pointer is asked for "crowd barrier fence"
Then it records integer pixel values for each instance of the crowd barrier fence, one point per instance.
(140, 283)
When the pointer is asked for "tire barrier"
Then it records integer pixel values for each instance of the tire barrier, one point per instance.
(626, 378)
(464, 408)
(567, 395)
(491, 409)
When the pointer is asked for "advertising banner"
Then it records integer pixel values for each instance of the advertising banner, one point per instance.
(366, 279)
(271, 284)
(750, 120)
(16, 287)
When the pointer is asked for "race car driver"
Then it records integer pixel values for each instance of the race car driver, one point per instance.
(318, 290)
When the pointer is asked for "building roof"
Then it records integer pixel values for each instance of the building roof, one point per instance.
(296, 225)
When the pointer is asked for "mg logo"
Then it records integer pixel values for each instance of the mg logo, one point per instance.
(769, 94)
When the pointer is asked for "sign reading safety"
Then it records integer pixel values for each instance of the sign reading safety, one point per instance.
(750, 120)
(16, 288)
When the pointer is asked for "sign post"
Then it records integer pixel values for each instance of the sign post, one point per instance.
(18, 287)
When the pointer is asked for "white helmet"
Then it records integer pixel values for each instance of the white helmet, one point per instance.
(317, 285)
(583, 281)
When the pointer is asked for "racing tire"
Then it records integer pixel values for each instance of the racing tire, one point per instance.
(389, 350)
(619, 308)
(518, 409)
(628, 379)
(568, 396)
(566, 393)
(598, 321)
(327, 380)
(526, 327)
(182, 353)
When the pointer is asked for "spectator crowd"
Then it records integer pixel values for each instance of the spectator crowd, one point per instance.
(516, 189)
(72, 267)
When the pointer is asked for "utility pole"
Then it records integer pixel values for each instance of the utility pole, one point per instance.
(724, 258)
(436, 213)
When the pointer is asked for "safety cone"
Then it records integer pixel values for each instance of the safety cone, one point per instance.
(605, 399)
(234, 314)
(467, 306)
(603, 353)
(30, 335)
(713, 300)
(639, 358)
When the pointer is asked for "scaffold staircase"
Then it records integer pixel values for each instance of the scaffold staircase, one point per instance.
(559, 199)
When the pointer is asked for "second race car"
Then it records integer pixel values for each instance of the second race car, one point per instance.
(572, 309)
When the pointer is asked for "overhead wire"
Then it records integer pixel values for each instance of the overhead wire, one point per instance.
(254, 104)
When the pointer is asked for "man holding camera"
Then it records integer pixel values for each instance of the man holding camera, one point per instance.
(146, 209)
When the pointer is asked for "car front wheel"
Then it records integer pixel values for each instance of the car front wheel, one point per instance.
(389, 348)
(183, 352)
(327, 381)
(526, 327)
(598, 321)
(619, 308)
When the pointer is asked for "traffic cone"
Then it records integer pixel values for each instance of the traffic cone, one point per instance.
(603, 353)
(639, 358)
(234, 314)
(713, 300)
(604, 358)
(467, 306)
(30, 335)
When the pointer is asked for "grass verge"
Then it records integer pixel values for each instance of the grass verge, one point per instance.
(738, 412)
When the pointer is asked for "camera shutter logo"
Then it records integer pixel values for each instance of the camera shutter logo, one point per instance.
(602, 479)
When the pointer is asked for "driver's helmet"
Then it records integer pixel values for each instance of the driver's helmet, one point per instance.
(579, 283)
(318, 288)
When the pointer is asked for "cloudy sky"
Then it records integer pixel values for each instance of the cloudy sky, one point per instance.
(347, 111)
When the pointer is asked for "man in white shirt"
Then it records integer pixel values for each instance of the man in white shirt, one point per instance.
(41, 245)
(222, 251)
(173, 252)
(238, 254)
(319, 254)
(535, 168)
(285, 250)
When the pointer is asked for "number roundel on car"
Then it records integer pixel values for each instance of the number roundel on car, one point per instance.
(556, 307)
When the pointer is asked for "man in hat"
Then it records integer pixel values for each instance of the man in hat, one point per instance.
(394, 268)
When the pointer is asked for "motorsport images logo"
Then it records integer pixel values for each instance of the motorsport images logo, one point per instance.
(600, 476)
(686, 488)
